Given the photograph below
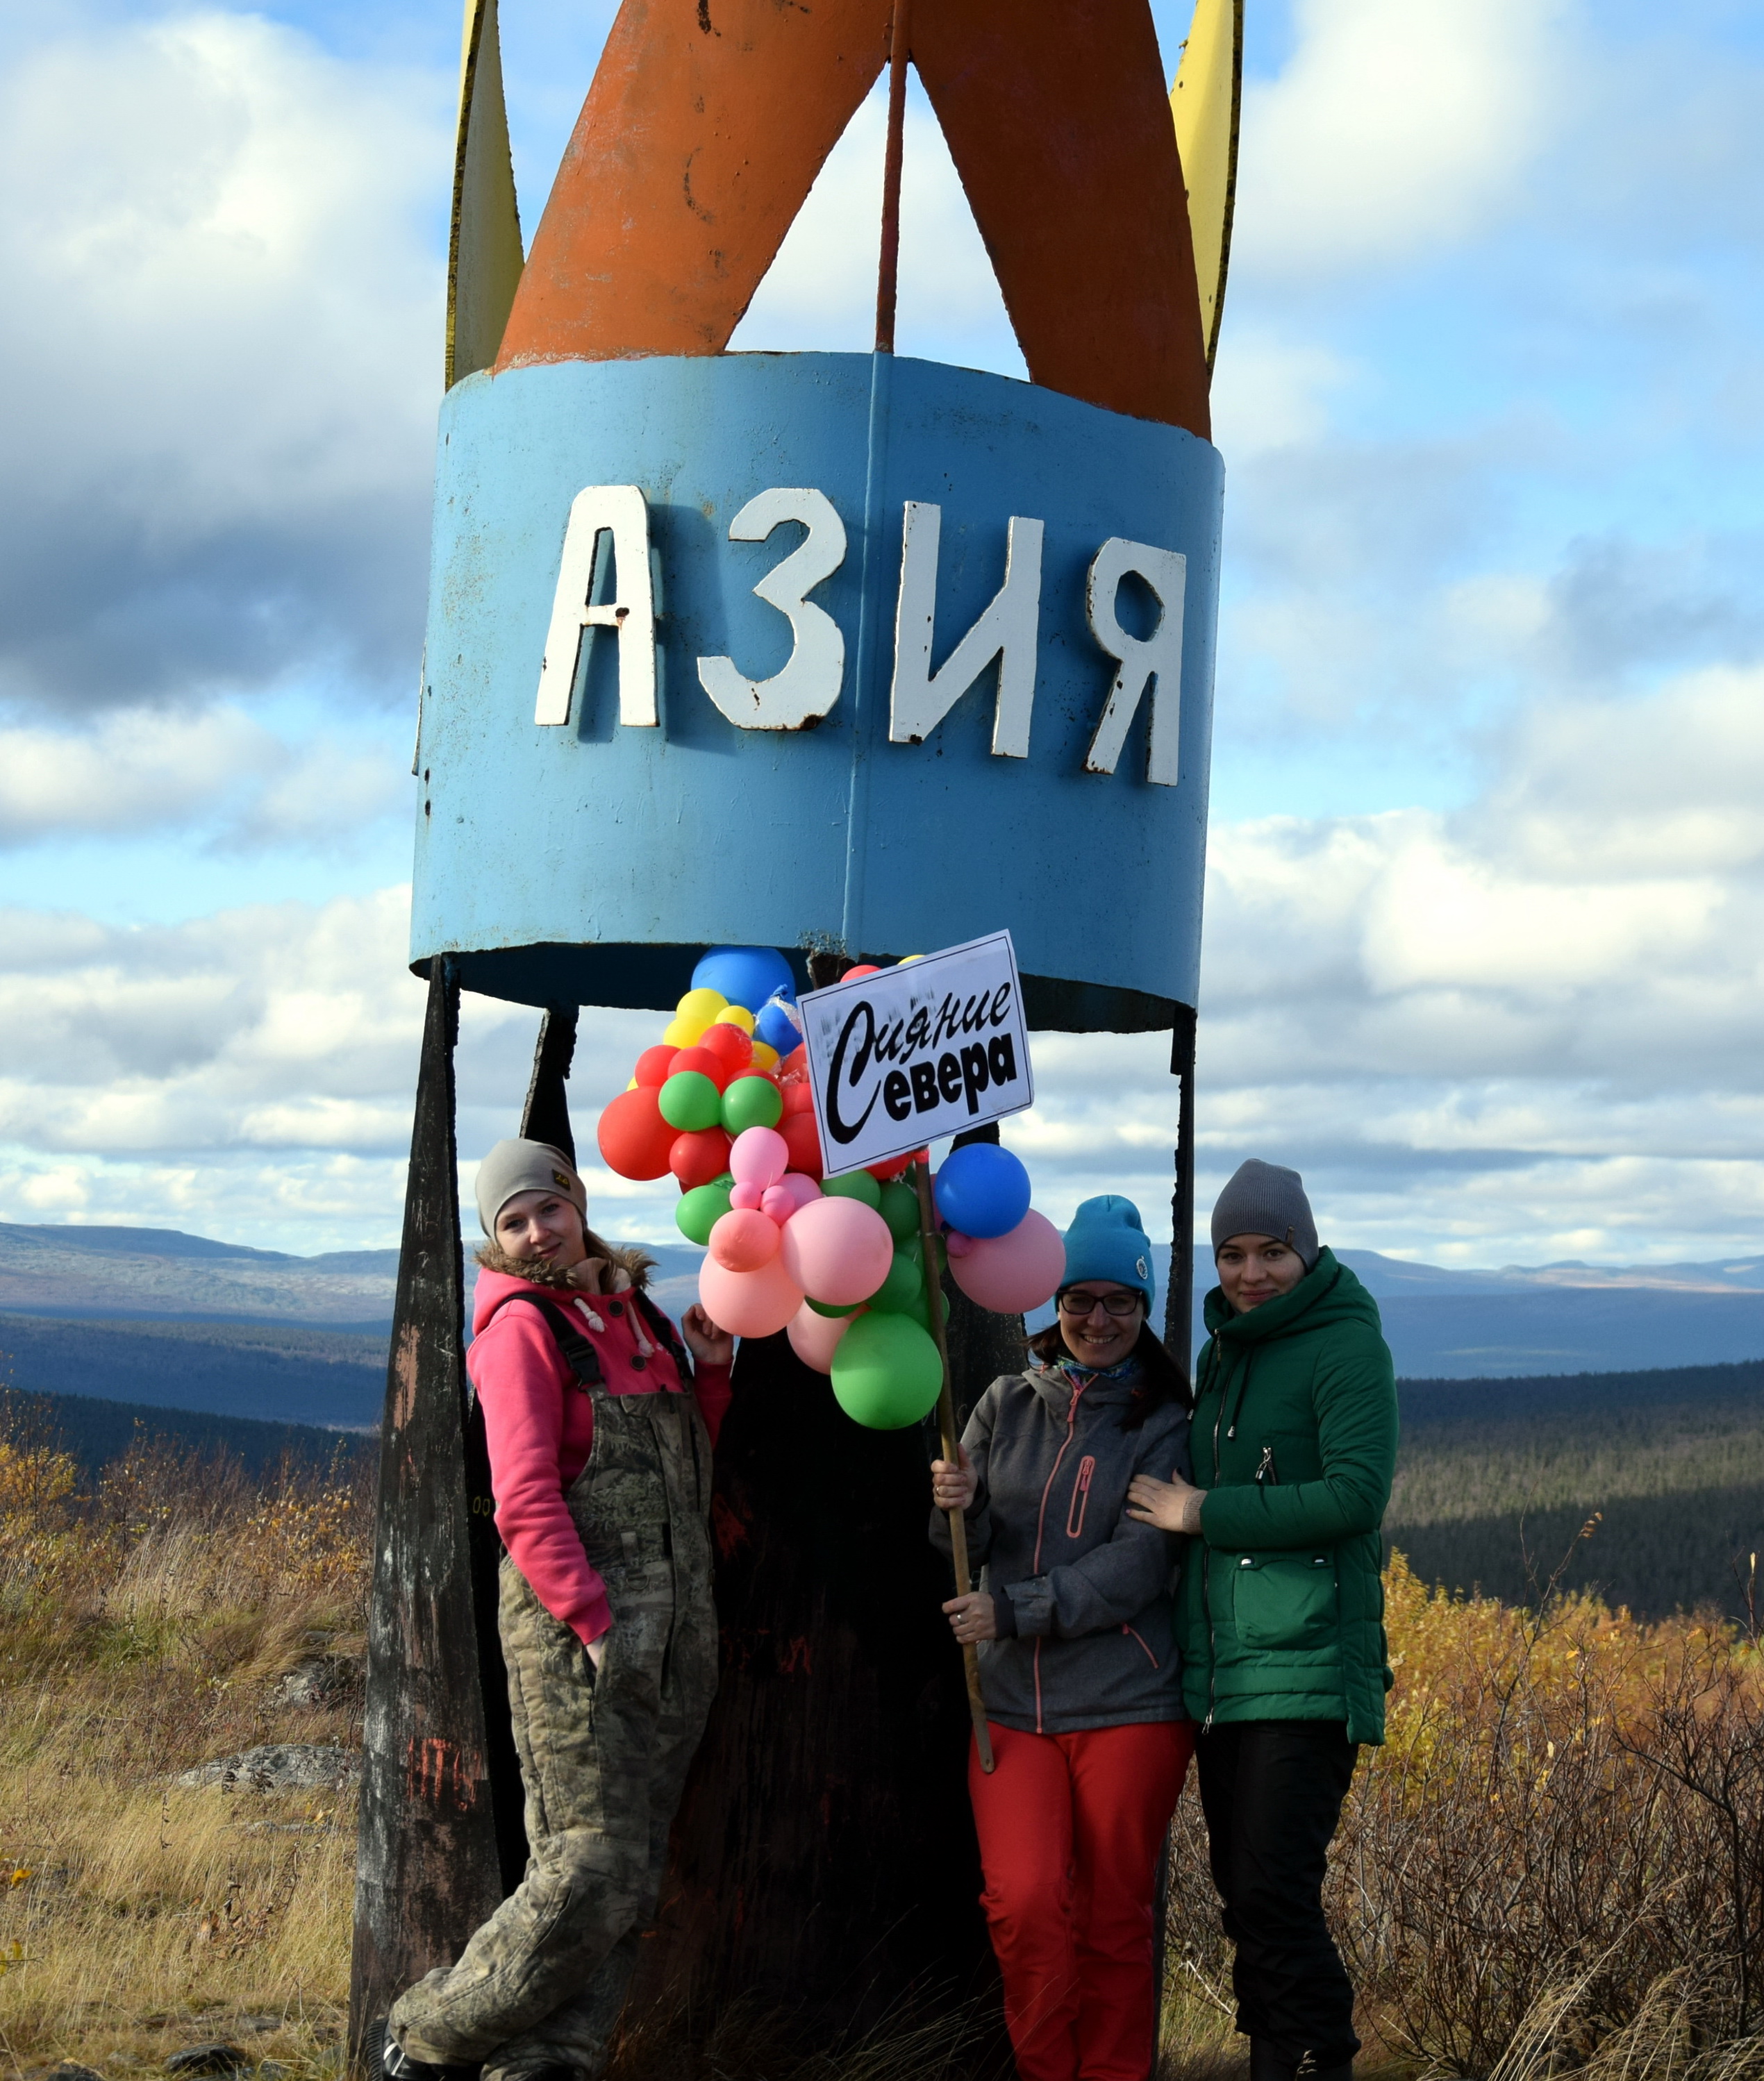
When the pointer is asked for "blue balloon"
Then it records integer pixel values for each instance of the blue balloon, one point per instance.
(981, 1190)
(745, 975)
(777, 1029)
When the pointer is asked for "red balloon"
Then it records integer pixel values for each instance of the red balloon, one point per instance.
(653, 1065)
(701, 1058)
(635, 1141)
(803, 1141)
(730, 1043)
(698, 1157)
(863, 968)
(896, 1166)
(744, 1240)
(795, 1068)
(797, 1098)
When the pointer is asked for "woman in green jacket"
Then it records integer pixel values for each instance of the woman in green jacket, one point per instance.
(1283, 1650)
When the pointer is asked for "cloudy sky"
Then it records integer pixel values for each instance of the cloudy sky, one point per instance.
(1485, 919)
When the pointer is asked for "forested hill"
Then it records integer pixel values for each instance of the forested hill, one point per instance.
(1496, 1479)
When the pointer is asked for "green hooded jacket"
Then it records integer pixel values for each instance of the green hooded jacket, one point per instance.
(1295, 1439)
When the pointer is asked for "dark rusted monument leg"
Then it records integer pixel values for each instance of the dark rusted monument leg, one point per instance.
(1179, 1341)
(426, 1868)
(1179, 1302)
(546, 1116)
(824, 1866)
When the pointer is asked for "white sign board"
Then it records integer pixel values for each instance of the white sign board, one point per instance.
(899, 1058)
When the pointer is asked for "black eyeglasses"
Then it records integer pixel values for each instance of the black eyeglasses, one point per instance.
(1075, 1301)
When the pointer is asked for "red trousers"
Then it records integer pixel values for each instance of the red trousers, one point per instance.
(1070, 1827)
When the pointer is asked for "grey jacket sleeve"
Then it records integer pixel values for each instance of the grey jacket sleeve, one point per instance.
(1114, 1581)
(977, 1442)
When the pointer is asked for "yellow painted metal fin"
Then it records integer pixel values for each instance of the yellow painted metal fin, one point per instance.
(484, 257)
(1205, 101)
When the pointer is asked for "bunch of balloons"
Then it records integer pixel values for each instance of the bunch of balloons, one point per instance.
(723, 1103)
(731, 1058)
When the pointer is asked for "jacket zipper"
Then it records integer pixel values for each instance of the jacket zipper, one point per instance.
(1040, 1525)
(1080, 1497)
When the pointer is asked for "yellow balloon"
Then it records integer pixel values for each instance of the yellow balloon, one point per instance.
(764, 1057)
(683, 1032)
(701, 1006)
(632, 1085)
(907, 961)
(735, 1014)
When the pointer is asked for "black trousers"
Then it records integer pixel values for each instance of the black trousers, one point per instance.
(1272, 1792)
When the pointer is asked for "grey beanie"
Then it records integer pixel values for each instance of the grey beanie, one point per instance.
(1266, 1199)
(525, 1166)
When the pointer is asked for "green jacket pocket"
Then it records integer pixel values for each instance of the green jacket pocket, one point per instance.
(1285, 1599)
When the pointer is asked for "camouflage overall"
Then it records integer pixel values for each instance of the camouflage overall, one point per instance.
(604, 1757)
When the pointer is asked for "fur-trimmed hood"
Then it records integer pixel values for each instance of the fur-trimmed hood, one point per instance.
(635, 1266)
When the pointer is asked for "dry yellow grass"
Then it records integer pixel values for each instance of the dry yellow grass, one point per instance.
(145, 1627)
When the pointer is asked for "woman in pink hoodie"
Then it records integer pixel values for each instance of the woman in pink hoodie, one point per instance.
(601, 1429)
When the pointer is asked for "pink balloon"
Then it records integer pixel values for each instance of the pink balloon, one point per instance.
(759, 1156)
(838, 1250)
(816, 1338)
(777, 1205)
(748, 1304)
(956, 1243)
(745, 1198)
(800, 1188)
(743, 1241)
(1011, 1273)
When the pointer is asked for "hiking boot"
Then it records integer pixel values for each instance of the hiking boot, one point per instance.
(1267, 2062)
(388, 2061)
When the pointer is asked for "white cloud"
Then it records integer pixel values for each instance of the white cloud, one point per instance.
(149, 769)
(1397, 127)
(221, 336)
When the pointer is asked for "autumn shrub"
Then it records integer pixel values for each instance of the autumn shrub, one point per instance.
(1564, 1835)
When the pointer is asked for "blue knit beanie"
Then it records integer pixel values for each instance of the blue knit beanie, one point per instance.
(1107, 1240)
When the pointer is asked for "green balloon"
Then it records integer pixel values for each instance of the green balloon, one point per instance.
(701, 1209)
(854, 1185)
(899, 1208)
(918, 1310)
(689, 1100)
(829, 1307)
(750, 1102)
(903, 1286)
(886, 1373)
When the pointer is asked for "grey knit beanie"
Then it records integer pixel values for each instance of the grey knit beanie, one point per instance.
(525, 1166)
(1266, 1199)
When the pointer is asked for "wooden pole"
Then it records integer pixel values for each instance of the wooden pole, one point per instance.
(952, 1451)
(888, 265)
(426, 1868)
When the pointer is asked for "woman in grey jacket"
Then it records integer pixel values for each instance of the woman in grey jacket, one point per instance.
(1078, 1662)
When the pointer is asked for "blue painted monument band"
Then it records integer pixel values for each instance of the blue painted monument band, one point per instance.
(802, 767)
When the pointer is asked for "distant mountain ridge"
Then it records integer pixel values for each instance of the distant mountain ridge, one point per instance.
(1442, 1321)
